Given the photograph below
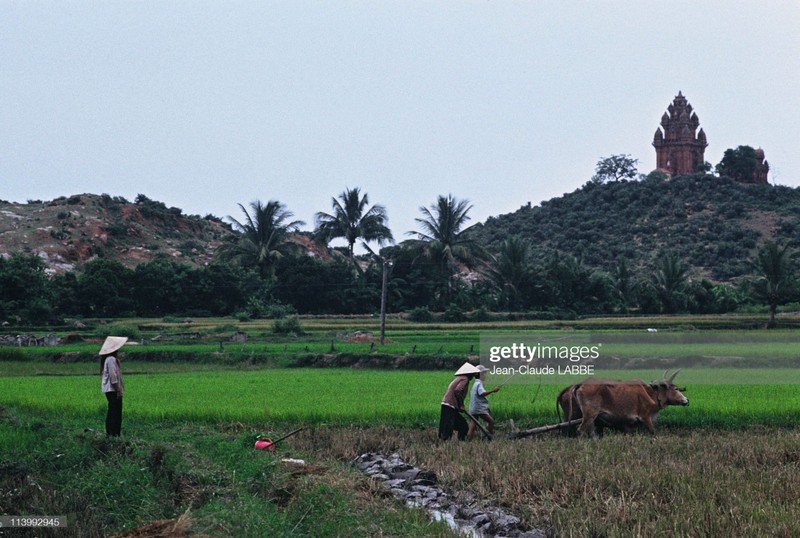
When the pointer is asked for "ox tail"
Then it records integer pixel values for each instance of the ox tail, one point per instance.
(558, 403)
(574, 404)
(558, 407)
(569, 405)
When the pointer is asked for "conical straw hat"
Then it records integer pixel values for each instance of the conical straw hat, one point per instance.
(467, 369)
(112, 344)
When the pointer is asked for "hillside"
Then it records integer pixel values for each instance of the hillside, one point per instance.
(71, 230)
(713, 223)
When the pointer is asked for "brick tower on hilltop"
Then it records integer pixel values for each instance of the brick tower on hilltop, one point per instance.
(678, 150)
(762, 168)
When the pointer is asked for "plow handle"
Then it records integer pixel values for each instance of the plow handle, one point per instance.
(486, 433)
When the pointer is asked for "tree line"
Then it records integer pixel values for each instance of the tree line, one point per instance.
(442, 269)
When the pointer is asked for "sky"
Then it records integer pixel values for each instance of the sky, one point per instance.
(204, 105)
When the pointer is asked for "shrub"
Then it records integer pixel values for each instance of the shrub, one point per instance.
(12, 354)
(480, 314)
(227, 328)
(59, 235)
(454, 314)
(262, 309)
(117, 229)
(118, 330)
(290, 325)
(188, 248)
(279, 311)
(420, 314)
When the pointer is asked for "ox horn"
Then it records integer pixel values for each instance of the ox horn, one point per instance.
(672, 377)
(662, 380)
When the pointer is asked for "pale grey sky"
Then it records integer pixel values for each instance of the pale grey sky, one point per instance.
(203, 105)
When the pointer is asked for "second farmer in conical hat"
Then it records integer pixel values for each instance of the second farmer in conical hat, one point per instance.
(453, 404)
(479, 403)
(111, 383)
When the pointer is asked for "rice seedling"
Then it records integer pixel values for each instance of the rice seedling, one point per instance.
(361, 396)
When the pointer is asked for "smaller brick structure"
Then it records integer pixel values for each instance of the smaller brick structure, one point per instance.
(762, 168)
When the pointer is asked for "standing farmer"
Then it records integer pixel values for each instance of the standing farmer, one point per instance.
(112, 385)
(479, 403)
(453, 404)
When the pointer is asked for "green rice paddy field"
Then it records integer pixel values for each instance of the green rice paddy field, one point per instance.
(726, 465)
(405, 398)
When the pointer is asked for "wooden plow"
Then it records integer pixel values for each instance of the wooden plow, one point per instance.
(516, 433)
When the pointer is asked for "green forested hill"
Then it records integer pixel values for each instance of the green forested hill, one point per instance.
(713, 223)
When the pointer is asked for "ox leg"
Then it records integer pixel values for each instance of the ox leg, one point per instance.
(599, 427)
(575, 413)
(571, 431)
(587, 425)
(649, 425)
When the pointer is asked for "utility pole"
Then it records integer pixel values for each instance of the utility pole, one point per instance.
(384, 291)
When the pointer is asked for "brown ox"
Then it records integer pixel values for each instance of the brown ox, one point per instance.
(619, 404)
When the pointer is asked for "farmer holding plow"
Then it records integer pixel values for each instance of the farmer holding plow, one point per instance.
(453, 403)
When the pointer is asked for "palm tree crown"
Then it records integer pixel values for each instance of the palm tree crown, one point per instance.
(775, 269)
(670, 280)
(442, 226)
(265, 234)
(511, 270)
(353, 220)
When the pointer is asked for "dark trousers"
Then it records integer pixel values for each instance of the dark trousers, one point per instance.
(114, 414)
(450, 420)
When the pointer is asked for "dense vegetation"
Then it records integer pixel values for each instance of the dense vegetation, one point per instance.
(698, 244)
(712, 223)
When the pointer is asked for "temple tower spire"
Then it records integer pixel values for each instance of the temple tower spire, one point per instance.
(680, 149)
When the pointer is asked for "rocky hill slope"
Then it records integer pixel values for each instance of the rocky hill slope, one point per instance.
(69, 230)
(713, 223)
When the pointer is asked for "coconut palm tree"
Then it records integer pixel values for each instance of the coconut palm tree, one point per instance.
(264, 235)
(774, 267)
(511, 270)
(352, 220)
(442, 239)
(670, 282)
(623, 285)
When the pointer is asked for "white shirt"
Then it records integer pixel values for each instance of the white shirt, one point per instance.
(112, 375)
(478, 405)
